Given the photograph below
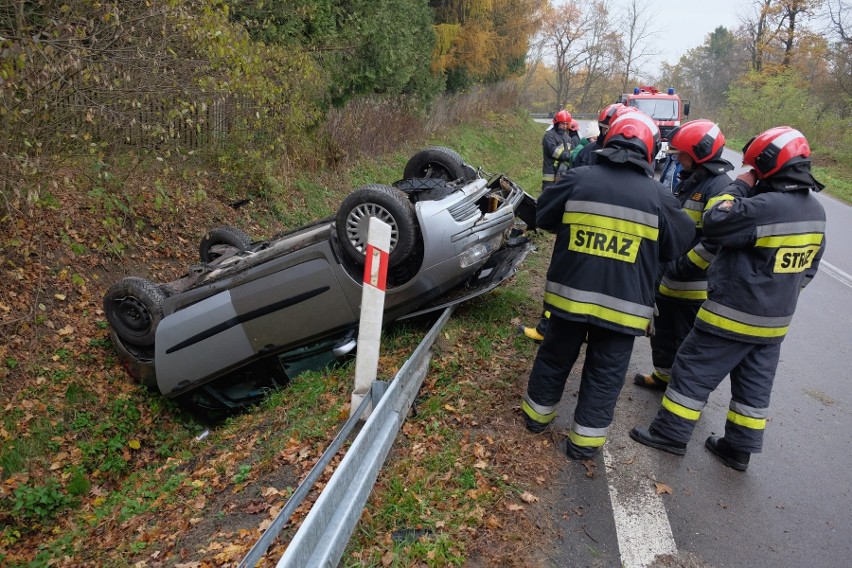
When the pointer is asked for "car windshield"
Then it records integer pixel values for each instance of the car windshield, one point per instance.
(658, 109)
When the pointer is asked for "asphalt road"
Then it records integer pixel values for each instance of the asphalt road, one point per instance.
(792, 508)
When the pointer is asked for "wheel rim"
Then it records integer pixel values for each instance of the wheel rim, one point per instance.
(357, 223)
(134, 316)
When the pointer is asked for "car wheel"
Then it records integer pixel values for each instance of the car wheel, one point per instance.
(438, 162)
(139, 362)
(385, 203)
(213, 243)
(134, 308)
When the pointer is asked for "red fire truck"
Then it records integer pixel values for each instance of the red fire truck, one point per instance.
(666, 109)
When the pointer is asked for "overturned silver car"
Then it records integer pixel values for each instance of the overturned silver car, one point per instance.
(253, 314)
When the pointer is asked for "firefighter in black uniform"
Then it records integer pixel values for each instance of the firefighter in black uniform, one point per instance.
(698, 145)
(606, 116)
(771, 237)
(556, 149)
(614, 224)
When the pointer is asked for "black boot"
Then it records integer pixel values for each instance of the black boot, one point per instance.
(575, 452)
(650, 437)
(650, 382)
(736, 459)
(534, 426)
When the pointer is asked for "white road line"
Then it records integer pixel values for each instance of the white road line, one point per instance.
(836, 273)
(641, 522)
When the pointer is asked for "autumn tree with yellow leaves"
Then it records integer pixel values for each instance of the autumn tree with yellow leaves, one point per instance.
(483, 40)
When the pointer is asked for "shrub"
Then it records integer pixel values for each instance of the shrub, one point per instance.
(39, 502)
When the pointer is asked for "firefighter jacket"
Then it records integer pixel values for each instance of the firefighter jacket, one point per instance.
(614, 225)
(685, 279)
(770, 245)
(556, 150)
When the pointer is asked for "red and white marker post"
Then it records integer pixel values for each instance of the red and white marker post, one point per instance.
(372, 310)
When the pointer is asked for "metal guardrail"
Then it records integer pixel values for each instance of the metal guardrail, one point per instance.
(265, 541)
(326, 530)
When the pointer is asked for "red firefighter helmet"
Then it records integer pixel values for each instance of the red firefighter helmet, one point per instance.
(563, 116)
(637, 130)
(701, 139)
(623, 110)
(775, 149)
(575, 126)
(608, 113)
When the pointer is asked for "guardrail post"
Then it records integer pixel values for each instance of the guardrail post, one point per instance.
(372, 310)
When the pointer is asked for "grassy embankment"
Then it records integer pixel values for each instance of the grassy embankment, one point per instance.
(98, 472)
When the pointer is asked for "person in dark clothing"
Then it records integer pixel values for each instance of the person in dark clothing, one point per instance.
(574, 133)
(670, 174)
(698, 147)
(556, 160)
(587, 156)
(606, 116)
(590, 136)
(556, 149)
(770, 231)
(614, 224)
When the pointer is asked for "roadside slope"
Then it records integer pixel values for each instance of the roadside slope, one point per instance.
(98, 472)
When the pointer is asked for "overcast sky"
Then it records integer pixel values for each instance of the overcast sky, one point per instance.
(684, 24)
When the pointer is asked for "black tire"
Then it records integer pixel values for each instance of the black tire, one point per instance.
(138, 362)
(438, 162)
(134, 309)
(388, 204)
(211, 244)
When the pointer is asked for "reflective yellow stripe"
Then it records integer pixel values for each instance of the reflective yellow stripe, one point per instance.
(685, 294)
(548, 177)
(714, 200)
(620, 225)
(789, 240)
(586, 441)
(606, 314)
(696, 259)
(694, 215)
(747, 421)
(738, 327)
(680, 410)
(543, 418)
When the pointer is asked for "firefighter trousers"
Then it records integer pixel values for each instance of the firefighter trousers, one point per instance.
(607, 358)
(703, 361)
(671, 326)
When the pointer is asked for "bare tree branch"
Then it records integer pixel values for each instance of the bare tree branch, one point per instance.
(637, 29)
